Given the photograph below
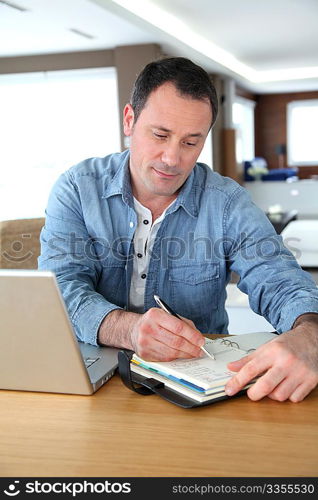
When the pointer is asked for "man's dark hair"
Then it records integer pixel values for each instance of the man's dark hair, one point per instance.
(189, 79)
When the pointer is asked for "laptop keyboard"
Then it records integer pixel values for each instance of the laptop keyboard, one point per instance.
(90, 361)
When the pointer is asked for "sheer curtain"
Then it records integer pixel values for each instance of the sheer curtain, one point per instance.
(243, 119)
(48, 122)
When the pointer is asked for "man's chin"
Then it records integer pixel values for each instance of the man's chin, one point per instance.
(167, 194)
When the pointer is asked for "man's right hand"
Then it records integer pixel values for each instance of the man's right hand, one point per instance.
(154, 335)
(160, 336)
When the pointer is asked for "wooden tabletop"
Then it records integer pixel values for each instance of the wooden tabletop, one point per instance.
(117, 433)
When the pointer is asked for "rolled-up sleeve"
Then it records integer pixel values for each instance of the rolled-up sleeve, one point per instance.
(277, 287)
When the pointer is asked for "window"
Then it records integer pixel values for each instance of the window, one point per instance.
(302, 119)
(49, 122)
(206, 155)
(243, 119)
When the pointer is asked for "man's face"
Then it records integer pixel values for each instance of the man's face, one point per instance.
(166, 141)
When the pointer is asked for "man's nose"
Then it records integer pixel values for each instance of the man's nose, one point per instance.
(171, 154)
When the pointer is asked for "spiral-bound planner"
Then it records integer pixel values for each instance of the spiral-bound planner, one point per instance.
(200, 380)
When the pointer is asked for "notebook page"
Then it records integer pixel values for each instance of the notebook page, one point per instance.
(203, 372)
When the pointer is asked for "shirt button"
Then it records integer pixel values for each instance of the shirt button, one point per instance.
(143, 276)
(131, 224)
(139, 255)
(146, 221)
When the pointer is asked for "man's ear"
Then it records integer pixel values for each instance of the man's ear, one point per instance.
(128, 119)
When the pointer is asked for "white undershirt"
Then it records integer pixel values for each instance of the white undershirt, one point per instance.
(144, 239)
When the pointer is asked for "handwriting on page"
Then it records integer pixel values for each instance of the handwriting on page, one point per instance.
(200, 370)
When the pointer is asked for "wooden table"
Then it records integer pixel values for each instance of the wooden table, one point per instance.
(117, 433)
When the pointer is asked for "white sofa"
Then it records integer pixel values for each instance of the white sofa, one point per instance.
(301, 237)
(241, 317)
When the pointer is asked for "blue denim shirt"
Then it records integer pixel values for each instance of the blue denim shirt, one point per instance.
(213, 228)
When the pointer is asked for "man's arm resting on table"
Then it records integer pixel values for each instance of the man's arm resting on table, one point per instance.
(116, 329)
(154, 335)
(287, 367)
(308, 318)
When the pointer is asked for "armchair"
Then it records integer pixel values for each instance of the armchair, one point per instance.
(19, 243)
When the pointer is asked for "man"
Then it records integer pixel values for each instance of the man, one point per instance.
(151, 221)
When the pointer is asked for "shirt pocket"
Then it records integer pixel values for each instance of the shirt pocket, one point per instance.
(195, 290)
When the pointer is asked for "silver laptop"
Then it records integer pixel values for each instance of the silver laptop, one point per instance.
(38, 346)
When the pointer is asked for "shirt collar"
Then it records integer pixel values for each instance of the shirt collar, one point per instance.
(187, 198)
(121, 185)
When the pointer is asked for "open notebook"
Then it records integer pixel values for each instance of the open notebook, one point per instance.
(202, 379)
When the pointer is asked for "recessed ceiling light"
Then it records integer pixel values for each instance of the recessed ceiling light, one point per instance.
(182, 32)
(81, 33)
(14, 6)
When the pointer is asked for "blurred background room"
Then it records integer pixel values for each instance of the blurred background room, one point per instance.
(66, 70)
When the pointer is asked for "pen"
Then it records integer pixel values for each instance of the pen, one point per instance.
(168, 309)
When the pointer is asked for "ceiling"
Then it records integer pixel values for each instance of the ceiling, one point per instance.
(266, 45)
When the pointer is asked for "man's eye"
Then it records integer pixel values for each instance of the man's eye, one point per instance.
(159, 136)
(190, 144)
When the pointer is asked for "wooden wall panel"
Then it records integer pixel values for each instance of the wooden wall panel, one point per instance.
(55, 62)
(129, 61)
(229, 156)
(245, 93)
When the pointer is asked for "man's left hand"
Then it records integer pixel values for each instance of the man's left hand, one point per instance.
(287, 367)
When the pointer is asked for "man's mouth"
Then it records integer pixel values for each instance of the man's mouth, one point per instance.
(164, 174)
